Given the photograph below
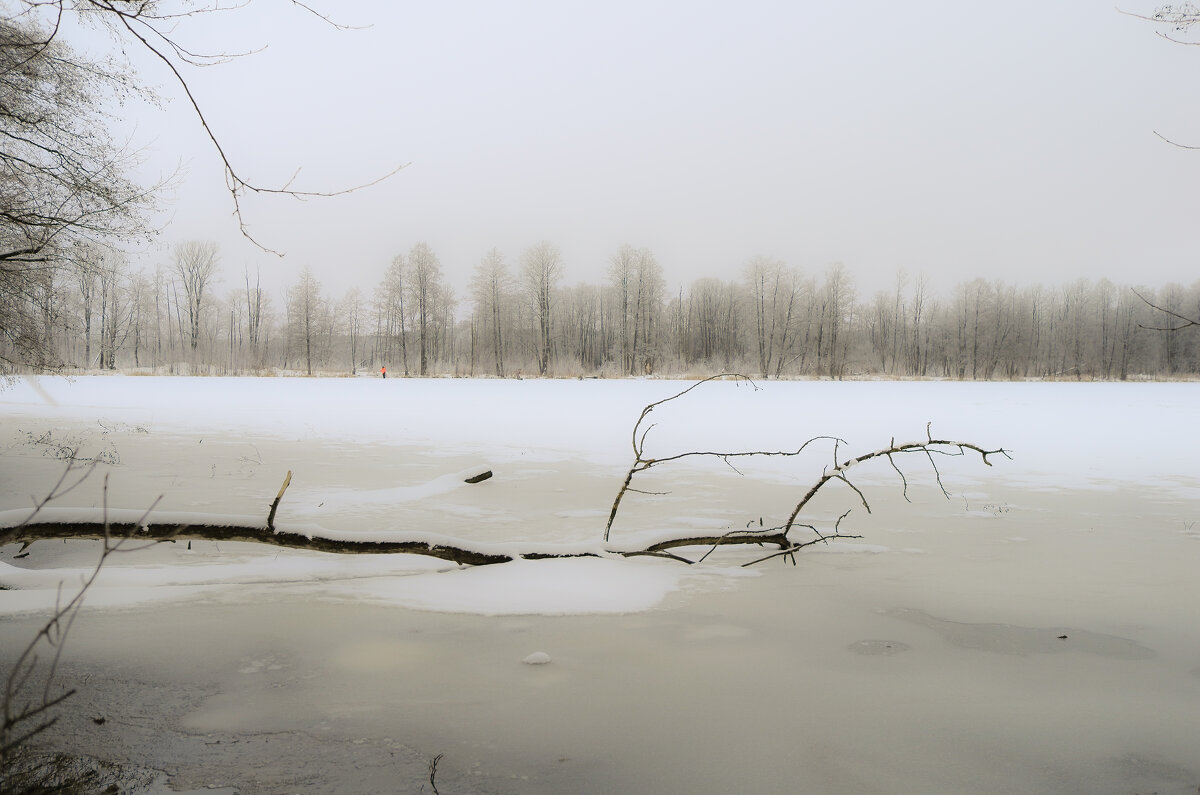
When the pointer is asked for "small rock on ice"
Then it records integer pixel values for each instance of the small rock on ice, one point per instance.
(537, 658)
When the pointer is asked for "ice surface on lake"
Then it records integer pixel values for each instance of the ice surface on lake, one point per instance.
(1034, 633)
(540, 437)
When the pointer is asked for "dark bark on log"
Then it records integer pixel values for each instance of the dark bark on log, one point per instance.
(35, 531)
(459, 552)
(482, 476)
(776, 537)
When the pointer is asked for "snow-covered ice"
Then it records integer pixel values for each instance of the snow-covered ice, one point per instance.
(379, 458)
(915, 659)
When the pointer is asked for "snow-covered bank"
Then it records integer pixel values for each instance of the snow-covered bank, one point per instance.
(1081, 432)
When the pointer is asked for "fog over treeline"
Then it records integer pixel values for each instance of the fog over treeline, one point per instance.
(517, 319)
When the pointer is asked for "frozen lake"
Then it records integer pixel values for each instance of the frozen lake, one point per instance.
(926, 657)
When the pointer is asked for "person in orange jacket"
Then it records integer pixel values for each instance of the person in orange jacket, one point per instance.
(383, 371)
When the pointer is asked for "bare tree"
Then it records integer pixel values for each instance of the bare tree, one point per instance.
(195, 265)
(637, 281)
(425, 288)
(64, 182)
(254, 313)
(114, 308)
(350, 310)
(621, 275)
(491, 289)
(153, 27)
(714, 317)
(837, 309)
(86, 267)
(393, 317)
(140, 294)
(541, 269)
(307, 317)
(579, 326)
(775, 295)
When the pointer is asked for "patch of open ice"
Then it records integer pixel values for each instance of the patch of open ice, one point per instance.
(547, 587)
(847, 547)
(349, 499)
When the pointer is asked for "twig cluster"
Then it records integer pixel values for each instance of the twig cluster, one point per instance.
(154, 31)
(29, 698)
(68, 449)
(837, 471)
(153, 27)
(1184, 320)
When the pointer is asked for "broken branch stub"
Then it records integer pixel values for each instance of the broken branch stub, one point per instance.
(275, 505)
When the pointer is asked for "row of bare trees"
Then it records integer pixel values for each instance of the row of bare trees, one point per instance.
(519, 319)
(68, 298)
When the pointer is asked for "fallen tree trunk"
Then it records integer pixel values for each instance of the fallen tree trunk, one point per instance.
(179, 527)
(260, 534)
(454, 550)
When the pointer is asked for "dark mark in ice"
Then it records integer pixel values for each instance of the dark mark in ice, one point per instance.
(1011, 639)
(878, 647)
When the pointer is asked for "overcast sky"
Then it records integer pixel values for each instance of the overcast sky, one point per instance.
(1008, 141)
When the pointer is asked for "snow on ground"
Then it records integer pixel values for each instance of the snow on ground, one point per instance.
(1080, 432)
(200, 443)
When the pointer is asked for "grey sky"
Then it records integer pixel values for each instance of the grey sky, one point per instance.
(1003, 140)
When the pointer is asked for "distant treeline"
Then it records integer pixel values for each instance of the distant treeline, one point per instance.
(770, 320)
